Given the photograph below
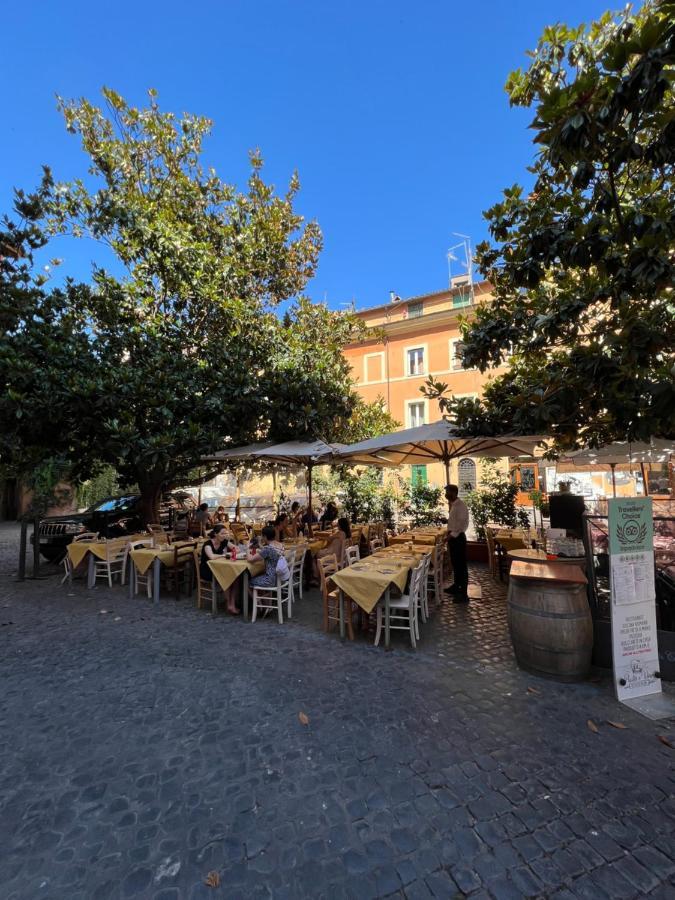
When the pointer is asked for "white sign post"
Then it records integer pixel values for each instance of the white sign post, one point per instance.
(635, 649)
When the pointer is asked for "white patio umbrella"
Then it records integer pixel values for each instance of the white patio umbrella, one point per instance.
(619, 453)
(436, 442)
(290, 453)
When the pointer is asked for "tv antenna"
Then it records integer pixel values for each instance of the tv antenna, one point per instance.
(461, 255)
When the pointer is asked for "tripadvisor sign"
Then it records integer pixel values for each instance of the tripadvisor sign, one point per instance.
(634, 639)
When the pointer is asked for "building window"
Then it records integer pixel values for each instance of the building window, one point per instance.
(416, 413)
(416, 361)
(415, 310)
(456, 348)
(373, 366)
(463, 296)
(418, 475)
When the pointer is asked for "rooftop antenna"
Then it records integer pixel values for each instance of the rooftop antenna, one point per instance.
(460, 253)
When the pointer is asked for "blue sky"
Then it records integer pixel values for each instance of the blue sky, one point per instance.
(393, 112)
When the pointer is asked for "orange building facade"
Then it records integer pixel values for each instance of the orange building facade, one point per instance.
(418, 337)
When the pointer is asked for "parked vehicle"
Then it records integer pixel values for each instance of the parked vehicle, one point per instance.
(112, 517)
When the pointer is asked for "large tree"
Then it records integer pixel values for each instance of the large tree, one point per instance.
(583, 264)
(178, 347)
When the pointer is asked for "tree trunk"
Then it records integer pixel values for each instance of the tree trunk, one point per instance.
(237, 508)
(151, 495)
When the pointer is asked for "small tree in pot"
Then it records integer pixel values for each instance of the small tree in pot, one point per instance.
(495, 501)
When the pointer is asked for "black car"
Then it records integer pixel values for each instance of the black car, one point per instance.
(112, 517)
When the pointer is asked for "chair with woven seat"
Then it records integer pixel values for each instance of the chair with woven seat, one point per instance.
(352, 555)
(139, 580)
(331, 596)
(403, 609)
(114, 562)
(297, 571)
(207, 591)
(179, 572)
(435, 575)
(274, 597)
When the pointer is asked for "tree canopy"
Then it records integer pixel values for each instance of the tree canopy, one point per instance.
(179, 347)
(583, 265)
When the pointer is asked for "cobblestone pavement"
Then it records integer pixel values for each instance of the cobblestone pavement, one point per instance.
(142, 748)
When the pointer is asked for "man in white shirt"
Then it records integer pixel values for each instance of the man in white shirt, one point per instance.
(458, 522)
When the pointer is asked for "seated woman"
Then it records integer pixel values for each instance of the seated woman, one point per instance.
(216, 546)
(330, 514)
(295, 519)
(269, 553)
(220, 516)
(336, 545)
(281, 527)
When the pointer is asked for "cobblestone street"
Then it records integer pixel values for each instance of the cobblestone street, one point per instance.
(143, 748)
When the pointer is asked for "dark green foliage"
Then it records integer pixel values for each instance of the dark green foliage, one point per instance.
(583, 266)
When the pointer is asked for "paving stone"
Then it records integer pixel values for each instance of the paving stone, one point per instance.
(171, 736)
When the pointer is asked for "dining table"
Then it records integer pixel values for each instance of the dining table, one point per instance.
(78, 551)
(370, 581)
(144, 557)
(226, 571)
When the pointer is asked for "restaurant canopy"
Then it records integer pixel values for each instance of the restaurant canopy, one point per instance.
(621, 454)
(290, 453)
(436, 442)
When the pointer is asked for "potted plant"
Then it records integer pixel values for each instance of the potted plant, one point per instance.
(494, 501)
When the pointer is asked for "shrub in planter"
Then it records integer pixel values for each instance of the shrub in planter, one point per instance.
(495, 501)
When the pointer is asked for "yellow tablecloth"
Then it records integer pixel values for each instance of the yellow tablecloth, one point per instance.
(426, 539)
(366, 581)
(226, 571)
(145, 556)
(511, 541)
(79, 549)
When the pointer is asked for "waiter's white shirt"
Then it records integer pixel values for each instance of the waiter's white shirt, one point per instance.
(458, 521)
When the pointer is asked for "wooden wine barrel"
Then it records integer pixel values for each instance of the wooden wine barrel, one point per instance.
(550, 620)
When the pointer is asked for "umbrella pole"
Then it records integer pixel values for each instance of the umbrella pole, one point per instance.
(446, 461)
(309, 491)
(613, 468)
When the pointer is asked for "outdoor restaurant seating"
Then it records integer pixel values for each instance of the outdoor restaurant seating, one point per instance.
(144, 580)
(404, 609)
(297, 572)
(269, 598)
(207, 591)
(352, 555)
(114, 562)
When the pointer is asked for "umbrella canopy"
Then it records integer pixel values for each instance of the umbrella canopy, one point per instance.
(436, 442)
(290, 453)
(620, 452)
(623, 454)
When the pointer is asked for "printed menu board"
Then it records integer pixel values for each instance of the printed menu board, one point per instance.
(634, 639)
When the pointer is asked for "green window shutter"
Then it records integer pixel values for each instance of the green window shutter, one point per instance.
(419, 475)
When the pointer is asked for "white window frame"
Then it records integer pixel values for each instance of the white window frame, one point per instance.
(367, 356)
(452, 343)
(408, 417)
(471, 395)
(425, 359)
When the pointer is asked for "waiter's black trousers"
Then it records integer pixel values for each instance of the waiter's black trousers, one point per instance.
(457, 548)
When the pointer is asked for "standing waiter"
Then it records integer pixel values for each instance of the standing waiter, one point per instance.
(458, 522)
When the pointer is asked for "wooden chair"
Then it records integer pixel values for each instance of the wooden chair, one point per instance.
(297, 570)
(403, 610)
(180, 572)
(352, 555)
(206, 590)
(331, 599)
(140, 580)
(435, 575)
(268, 598)
(114, 562)
(375, 544)
(87, 537)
